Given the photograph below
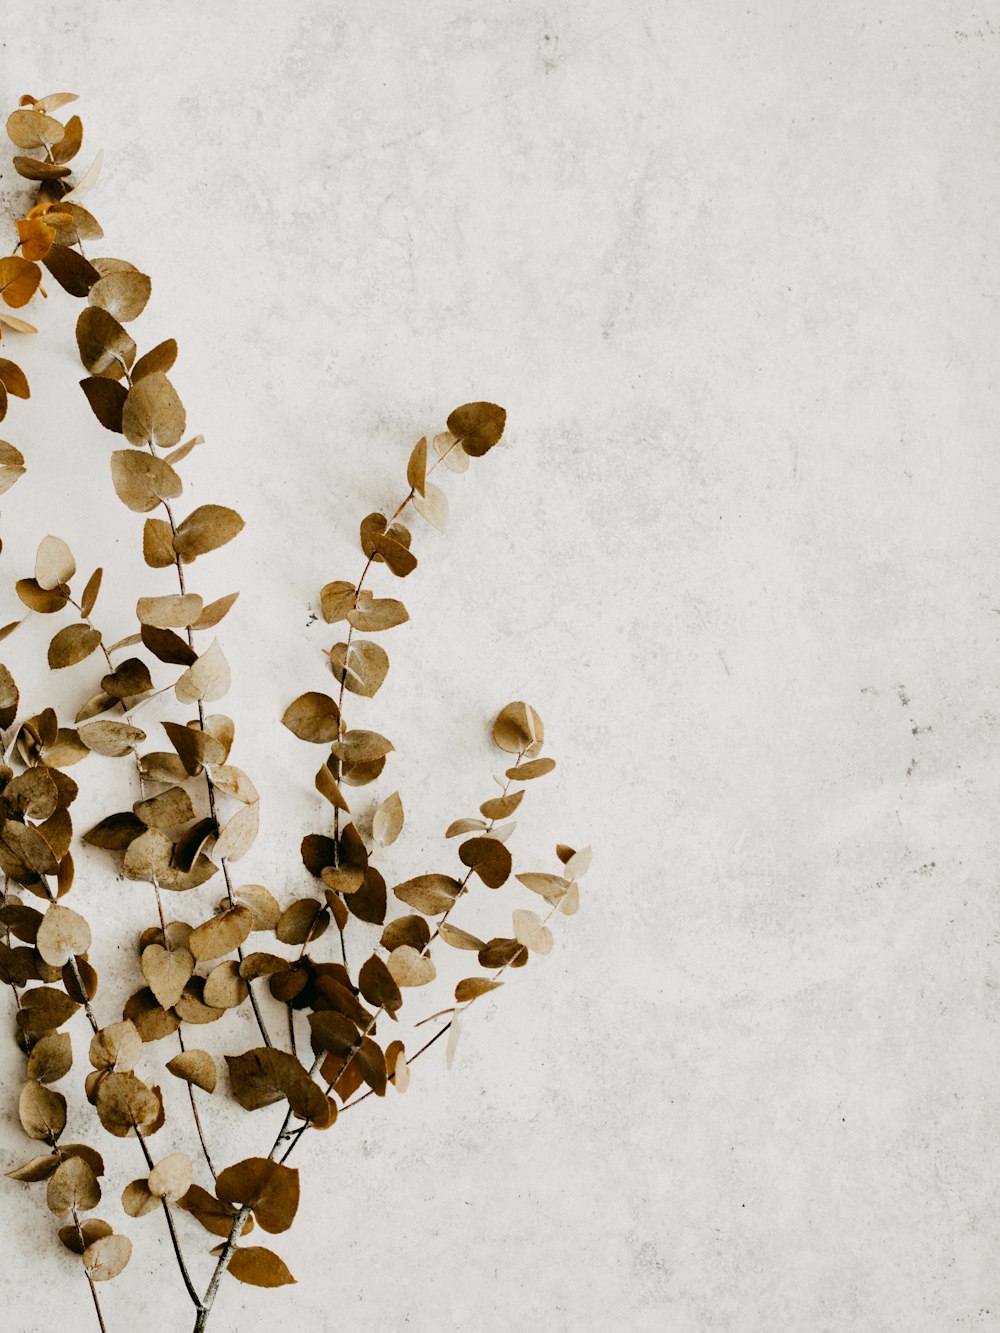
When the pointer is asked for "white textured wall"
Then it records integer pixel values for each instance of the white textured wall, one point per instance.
(733, 271)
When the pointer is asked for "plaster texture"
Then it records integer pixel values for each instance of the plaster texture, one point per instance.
(733, 271)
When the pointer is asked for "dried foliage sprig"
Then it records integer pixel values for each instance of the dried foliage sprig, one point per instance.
(197, 814)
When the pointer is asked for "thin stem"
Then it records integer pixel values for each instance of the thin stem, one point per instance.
(196, 1116)
(90, 1280)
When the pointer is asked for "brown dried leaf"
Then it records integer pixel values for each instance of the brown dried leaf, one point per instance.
(264, 1076)
(519, 730)
(326, 785)
(157, 538)
(216, 611)
(206, 529)
(42, 1112)
(153, 413)
(74, 1186)
(534, 768)
(502, 806)
(259, 1267)
(373, 614)
(472, 987)
(72, 644)
(222, 934)
(489, 859)
(93, 1228)
(429, 894)
(51, 1057)
(62, 934)
(31, 129)
(361, 747)
(137, 1200)
(142, 481)
(158, 359)
(313, 717)
(416, 468)
(333, 1032)
(478, 426)
(123, 295)
(459, 939)
(362, 668)
(19, 279)
(501, 952)
(460, 826)
(73, 273)
(105, 347)
(303, 920)
(271, 1190)
(379, 986)
(336, 600)
(40, 600)
(34, 1170)
(213, 1215)
(69, 145)
(43, 1008)
(194, 1066)
(115, 832)
(14, 380)
(124, 1103)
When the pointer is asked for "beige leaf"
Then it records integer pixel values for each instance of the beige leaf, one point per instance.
(222, 934)
(157, 543)
(388, 821)
(54, 563)
(433, 506)
(171, 1176)
(454, 1034)
(107, 1257)
(181, 452)
(373, 614)
(569, 904)
(409, 968)
(123, 295)
(110, 738)
(361, 747)
(550, 887)
(172, 612)
(167, 971)
(62, 934)
(239, 834)
(224, 987)
(195, 1066)
(262, 904)
(209, 678)
(451, 452)
(142, 481)
(168, 810)
(153, 413)
(117, 1046)
(578, 864)
(33, 130)
(232, 781)
(86, 182)
(531, 931)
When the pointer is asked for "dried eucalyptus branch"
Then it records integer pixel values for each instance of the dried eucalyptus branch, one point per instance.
(198, 814)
